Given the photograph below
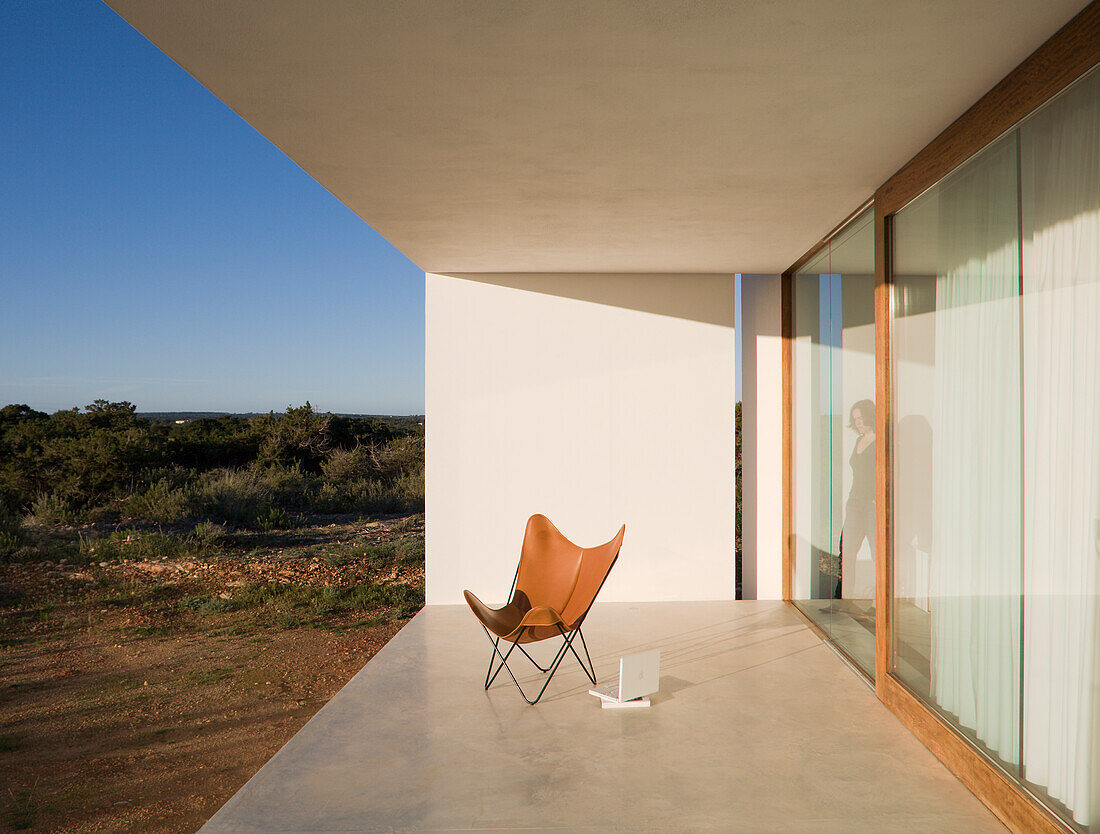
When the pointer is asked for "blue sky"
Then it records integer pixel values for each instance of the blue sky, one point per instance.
(155, 248)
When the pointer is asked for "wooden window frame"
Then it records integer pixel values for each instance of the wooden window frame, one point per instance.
(1054, 66)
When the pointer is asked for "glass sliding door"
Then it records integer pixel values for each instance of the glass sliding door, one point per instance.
(996, 416)
(1060, 220)
(833, 420)
(957, 545)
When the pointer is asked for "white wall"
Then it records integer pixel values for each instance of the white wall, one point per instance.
(761, 438)
(595, 399)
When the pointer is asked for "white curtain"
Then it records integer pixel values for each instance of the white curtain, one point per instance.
(976, 465)
(1060, 198)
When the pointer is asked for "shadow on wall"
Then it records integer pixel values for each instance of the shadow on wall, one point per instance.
(692, 299)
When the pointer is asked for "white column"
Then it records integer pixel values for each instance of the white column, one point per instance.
(762, 438)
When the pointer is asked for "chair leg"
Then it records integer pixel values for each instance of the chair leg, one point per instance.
(490, 675)
(589, 670)
(534, 662)
(567, 645)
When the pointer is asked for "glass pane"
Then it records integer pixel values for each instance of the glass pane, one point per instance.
(1060, 202)
(957, 452)
(852, 262)
(815, 572)
(833, 441)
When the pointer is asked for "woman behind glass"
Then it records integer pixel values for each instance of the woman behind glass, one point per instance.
(859, 512)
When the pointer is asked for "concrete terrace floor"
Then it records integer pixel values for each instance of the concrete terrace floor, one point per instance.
(758, 727)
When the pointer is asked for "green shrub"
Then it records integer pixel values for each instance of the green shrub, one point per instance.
(330, 599)
(287, 486)
(87, 459)
(105, 462)
(301, 436)
(232, 494)
(333, 498)
(162, 503)
(11, 531)
(208, 531)
(104, 512)
(52, 508)
(287, 622)
(276, 518)
(400, 456)
(364, 496)
(330, 499)
(406, 551)
(347, 466)
(254, 497)
(411, 486)
(9, 544)
(382, 478)
(137, 545)
(412, 552)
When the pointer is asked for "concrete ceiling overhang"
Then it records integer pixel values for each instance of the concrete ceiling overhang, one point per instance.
(599, 135)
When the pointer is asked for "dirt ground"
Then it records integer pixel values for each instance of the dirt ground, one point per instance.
(127, 706)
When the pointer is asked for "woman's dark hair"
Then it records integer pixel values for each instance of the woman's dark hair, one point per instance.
(866, 409)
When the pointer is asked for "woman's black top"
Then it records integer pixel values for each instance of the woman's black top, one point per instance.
(863, 473)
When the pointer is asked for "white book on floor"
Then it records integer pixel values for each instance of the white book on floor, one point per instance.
(639, 676)
(634, 703)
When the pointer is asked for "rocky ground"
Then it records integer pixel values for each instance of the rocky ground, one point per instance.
(146, 675)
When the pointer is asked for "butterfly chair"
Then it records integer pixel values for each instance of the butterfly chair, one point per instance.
(554, 587)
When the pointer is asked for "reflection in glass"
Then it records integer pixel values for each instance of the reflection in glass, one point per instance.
(958, 368)
(833, 420)
(1060, 218)
(996, 381)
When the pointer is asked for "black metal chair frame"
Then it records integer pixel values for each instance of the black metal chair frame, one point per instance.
(567, 645)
